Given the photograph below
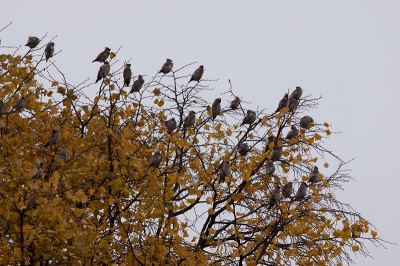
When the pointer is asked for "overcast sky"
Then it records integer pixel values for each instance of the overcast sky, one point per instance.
(347, 52)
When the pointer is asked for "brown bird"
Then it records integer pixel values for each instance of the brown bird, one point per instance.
(189, 120)
(301, 193)
(287, 190)
(62, 155)
(294, 132)
(20, 103)
(3, 108)
(216, 108)
(54, 138)
(235, 103)
(32, 42)
(275, 197)
(282, 103)
(296, 94)
(197, 74)
(243, 148)
(305, 121)
(39, 172)
(276, 154)
(249, 118)
(127, 74)
(156, 159)
(270, 139)
(102, 57)
(49, 50)
(269, 168)
(103, 71)
(293, 103)
(171, 125)
(314, 175)
(225, 171)
(138, 84)
(167, 67)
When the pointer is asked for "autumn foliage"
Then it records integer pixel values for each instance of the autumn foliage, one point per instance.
(105, 205)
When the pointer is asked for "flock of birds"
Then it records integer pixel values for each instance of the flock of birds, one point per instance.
(291, 102)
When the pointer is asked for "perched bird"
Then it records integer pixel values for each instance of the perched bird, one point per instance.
(249, 118)
(167, 67)
(235, 103)
(296, 94)
(3, 108)
(190, 120)
(314, 175)
(294, 132)
(156, 159)
(127, 74)
(197, 74)
(270, 139)
(225, 171)
(103, 71)
(287, 190)
(301, 193)
(243, 148)
(54, 138)
(138, 84)
(274, 197)
(282, 103)
(32, 42)
(305, 121)
(102, 57)
(276, 154)
(269, 168)
(20, 103)
(216, 108)
(39, 172)
(293, 103)
(171, 125)
(62, 155)
(49, 51)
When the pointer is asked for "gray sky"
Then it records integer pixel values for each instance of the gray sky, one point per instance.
(348, 52)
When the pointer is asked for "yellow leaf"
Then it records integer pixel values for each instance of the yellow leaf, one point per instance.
(277, 115)
(185, 233)
(355, 248)
(161, 103)
(156, 91)
(373, 233)
(229, 132)
(211, 230)
(326, 124)
(112, 55)
(210, 211)
(207, 127)
(191, 201)
(317, 136)
(326, 165)
(209, 200)
(218, 127)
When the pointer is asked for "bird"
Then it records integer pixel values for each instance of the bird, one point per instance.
(216, 108)
(103, 71)
(49, 51)
(137, 84)
(167, 67)
(197, 74)
(293, 103)
(62, 155)
(3, 108)
(274, 197)
(294, 132)
(32, 42)
(276, 154)
(127, 74)
(171, 125)
(102, 57)
(249, 118)
(306, 121)
(296, 94)
(235, 103)
(301, 193)
(54, 138)
(282, 103)
(287, 190)
(243, 148)
(156, 159)
(314, 175)
(270, 139)
(39, 172)
(190, 120)
(269, 168)
(225, 171)
(20, 103)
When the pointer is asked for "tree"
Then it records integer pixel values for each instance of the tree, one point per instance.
(100, 198)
